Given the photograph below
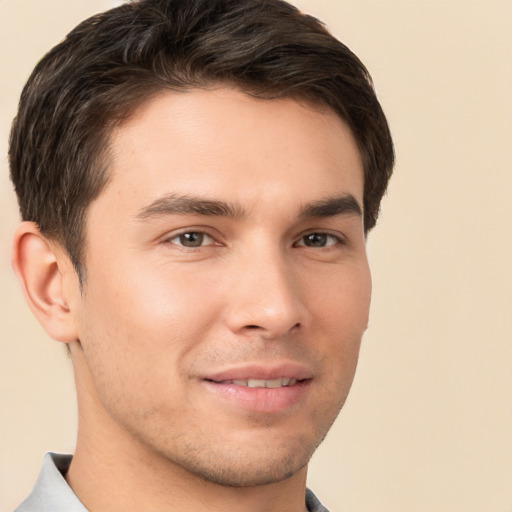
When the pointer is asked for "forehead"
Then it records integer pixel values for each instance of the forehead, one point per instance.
(223, 142)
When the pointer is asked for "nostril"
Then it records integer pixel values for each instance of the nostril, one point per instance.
(257, 327)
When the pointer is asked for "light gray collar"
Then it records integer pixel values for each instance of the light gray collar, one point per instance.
(51, 493)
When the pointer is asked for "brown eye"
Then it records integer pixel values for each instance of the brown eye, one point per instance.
(318, 240)
(192, 239)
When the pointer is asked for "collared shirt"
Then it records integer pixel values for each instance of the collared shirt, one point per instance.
(51, 493)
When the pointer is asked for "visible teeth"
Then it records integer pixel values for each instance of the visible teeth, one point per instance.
(256, 383)
(275, 383)
(260, 383)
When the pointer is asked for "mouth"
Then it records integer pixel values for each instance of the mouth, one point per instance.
(264, 389)
(280, 382)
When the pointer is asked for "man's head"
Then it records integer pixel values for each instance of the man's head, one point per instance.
(113, 62)
(212, 168)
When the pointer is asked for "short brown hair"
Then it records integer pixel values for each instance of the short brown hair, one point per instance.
(112, 62)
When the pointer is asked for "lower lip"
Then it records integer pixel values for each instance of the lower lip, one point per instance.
(265, 400)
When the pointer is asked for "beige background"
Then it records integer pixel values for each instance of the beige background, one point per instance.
(428, 426)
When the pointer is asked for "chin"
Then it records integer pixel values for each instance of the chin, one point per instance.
(248, 462)
(241, 472)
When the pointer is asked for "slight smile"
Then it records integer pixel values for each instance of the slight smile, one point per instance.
(262, 383)
(265, 389)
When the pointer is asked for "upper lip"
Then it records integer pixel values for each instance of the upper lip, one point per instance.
(262, 371)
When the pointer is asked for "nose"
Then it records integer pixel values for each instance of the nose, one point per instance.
(264, 296)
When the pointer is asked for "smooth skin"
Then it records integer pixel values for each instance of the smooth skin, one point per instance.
(227, 244)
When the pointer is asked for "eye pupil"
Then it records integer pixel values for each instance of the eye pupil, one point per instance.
(315, 240)
(191, 239)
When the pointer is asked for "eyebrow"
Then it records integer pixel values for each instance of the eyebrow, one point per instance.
(174, 204)
(189, 205)
(345, 204)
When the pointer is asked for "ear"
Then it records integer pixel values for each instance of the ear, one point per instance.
(41, 267)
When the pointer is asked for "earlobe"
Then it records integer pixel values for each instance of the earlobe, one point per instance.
(41, 269)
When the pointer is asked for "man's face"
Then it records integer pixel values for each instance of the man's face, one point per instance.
(226, 252)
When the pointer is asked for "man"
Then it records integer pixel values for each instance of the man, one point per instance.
(197, 179)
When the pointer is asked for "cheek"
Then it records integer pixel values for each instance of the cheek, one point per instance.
(142, 325)
(341, 309)
(137, 334)
(161, 304)
(341, 299)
